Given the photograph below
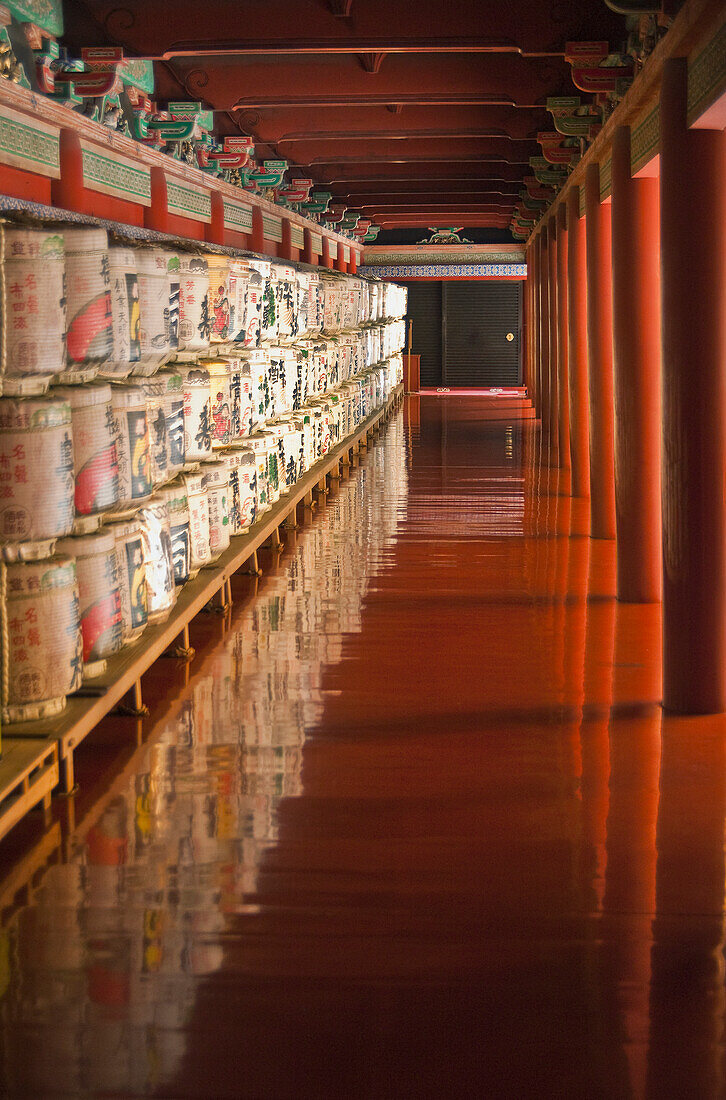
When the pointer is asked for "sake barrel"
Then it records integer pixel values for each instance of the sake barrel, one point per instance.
(44, 644)
(265, 444)
(219, 299)
(95, 447)
(257, 444)
(302, 292)
(198, 501)
(125, 313)
(239, 276)
(33, 308)
(240, 388)
(89, 332)
(217, 482)
(134, 445)
(222, 407)
(155, 390)
(194, 318)
(132, 576)
(155, 310)
(242, 465)
(36, 475)
(174, 413)
(177, 505)
(196, 388)
(158, 558)
(99, 586)
(286, 292)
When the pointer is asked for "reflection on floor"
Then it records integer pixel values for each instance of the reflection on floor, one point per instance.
(415, 827)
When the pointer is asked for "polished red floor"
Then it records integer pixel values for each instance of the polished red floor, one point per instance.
(416, 826)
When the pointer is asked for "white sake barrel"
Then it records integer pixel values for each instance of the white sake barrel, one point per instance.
(258, 445)
(134, 445)
(89, 326)
(288, 452)
(222, 407)
(177, 505)
(155, 390)
(242, 465)
(197, 392)
(174, 412)
(33, 308)
(158, 558)
(155, 310)
(243, 398)
(217, 479)
(220, 309)
(302, 294)
(263, 443)
(194, 317)
(44, 642)
(95, 447)
(125, 313)
(99, 587)
(198, 501)
(132, 577)
(239, 273)
(286, 293)
(36, 475)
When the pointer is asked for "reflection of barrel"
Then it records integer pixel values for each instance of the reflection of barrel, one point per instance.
(89, 333)
(95, 447)
(134, 445)
(197, 413)
(158, 559)
(194, 320)
(217, 480)
(36, 474)
(196, 486)
(175, 496)
(33, 308)
(99, 586)
(44, 643)
(132, 576)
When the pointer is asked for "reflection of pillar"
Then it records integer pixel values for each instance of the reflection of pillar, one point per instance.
(544, 329)
(636, 369)
(563, 390)
(693, 271)
(687, 980)
(553, 357)
(577, 347)
(600, 359)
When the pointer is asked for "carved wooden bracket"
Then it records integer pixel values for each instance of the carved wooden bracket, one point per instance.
(372, 62)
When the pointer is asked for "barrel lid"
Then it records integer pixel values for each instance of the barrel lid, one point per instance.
(87, 546)
(83, 397)
(85, 239)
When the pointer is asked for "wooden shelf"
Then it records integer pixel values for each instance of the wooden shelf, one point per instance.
(37, 754)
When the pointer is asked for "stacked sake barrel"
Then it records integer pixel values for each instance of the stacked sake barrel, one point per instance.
(155, 404)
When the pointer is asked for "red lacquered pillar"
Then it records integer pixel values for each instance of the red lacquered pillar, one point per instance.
(577, 347)
(636, 372)
(544, 329)
(600, 359)
(327, 259)
(308, 255)
(532, 268)
(68, 191)
(693, 333)
(214, 232)
(563, 412)
(554, 437)
(340, 264)
(529, 322)
(353, 262)
(156, 216)
(257, 243)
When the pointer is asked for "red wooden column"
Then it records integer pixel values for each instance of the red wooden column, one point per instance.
(544, 329)
(577, 347)
(636, 369)
(533, 280)
(340, 264)
(308, 256)
(353, 262)
(600, 359)
(693, 332)
(554, 436)
(563, 392)
(327, 259)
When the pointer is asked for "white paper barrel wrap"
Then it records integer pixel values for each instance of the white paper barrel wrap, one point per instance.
(196, 486)
(33, 309)
(242, 467)
(224, 423)
(125, 313)
(219, 299)
(158, 558)
(132, 576)
(44, 643)
(217, 479)
(134, 447)
(269, 317)
(99, 586)
(36, 469)
(302, 290)
(95, 447)
(265, 445)
(155, 390)
(286, 293)
(239, 273)
(251, 330)
(156, 316)
(195, 324)
(197, 413)
(243, 391)
(257, 445)
(174, 412)
(177, 504)
(89, 335)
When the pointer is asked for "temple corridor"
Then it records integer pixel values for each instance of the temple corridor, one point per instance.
(416, 825)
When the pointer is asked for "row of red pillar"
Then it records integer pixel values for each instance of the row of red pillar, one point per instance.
(627, 365)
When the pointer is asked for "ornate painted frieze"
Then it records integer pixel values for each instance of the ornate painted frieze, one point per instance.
(316, 241)
(237, 216)
(297, 235)
(645, 141)
(707, 76)
(333, 249)
(446, 271)
(111, 174)
(27, 143)
(187, 201)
